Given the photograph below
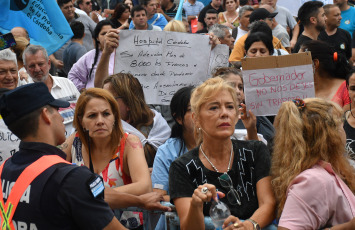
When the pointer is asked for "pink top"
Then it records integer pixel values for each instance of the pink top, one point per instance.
(317, 198)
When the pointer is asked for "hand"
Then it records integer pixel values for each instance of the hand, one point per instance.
(248, 121)
(198, 197)
(58, 64)
(111, 40)
(126, 24)
(159, 10)
(94, 16)
(214, 40)
(23, 75)
(151, 201)
(232, 222)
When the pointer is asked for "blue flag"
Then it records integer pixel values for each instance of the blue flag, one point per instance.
(178, 15)
(43, 19)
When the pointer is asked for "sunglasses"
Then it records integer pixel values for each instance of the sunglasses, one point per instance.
(88, 3)
(232, 195)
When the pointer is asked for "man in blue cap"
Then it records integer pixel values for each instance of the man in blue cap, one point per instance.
(49, 192)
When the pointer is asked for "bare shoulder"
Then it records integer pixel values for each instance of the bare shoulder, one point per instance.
(133, 141)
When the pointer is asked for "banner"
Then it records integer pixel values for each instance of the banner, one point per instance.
(43, 19)
(269, 81)
(163, 61)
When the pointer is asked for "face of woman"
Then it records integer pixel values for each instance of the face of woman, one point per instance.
(231, 5)
(188, 124)
(352, 89)
(98, 118)
(102, 34)
(123, 108)
(218, 116)
(258, 49)
(129, 3)
(125, 15)
(237, 83)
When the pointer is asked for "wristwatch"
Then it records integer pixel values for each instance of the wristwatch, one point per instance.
(255, 224)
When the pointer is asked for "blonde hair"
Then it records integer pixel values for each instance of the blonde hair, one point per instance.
(85, 97)
(21, 45)
(303, 137)
(205, 92)
(176, 26)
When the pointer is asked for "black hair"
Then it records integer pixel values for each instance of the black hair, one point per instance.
(243, 2)
(78, 29)
(144, 2)
(136, 9)
(308, 10)
(95, 36)
(119, 10)
(28, 125)
(211, 11)
(261, 26)
(337, 67)
(62, 2)
(179, 106)
(259, 37)
(351, 72)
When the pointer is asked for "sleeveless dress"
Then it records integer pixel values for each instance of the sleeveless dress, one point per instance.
(113, 176)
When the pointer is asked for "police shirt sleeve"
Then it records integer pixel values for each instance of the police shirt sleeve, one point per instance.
(81, 194)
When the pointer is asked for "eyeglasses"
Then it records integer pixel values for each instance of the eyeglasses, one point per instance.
(232, 195)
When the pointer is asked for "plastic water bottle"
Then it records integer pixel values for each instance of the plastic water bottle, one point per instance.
(219, 211)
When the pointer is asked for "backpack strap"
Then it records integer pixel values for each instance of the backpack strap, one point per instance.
(23, 181)
(126, 179)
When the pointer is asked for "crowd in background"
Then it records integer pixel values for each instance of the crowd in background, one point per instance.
(294, 170)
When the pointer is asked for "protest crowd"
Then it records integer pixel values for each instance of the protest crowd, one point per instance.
(124, 108)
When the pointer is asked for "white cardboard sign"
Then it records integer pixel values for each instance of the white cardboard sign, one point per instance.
(284, 80)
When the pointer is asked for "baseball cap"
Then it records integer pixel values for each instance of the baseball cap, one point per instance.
(25, 99)
(261, 14)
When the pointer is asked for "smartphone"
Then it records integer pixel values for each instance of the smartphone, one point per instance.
(7, 41)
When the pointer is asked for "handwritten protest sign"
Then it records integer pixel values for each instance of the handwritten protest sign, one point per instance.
(163, 62)
(269, 81)
(219, 58)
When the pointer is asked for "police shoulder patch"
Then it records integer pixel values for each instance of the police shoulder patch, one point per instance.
(96, 185)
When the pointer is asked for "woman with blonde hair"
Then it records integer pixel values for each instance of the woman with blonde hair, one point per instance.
(238, 169)
(21, 45)
(138, 118)
(101, 145)
(175, 26)
(311, 176)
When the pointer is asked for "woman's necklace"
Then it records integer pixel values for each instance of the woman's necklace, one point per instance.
(214, 167)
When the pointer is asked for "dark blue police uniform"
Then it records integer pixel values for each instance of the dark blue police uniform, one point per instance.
(60, 197)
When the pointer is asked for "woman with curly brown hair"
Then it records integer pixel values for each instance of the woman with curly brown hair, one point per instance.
(311, 176)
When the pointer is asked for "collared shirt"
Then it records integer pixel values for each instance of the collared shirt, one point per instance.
(193, 9)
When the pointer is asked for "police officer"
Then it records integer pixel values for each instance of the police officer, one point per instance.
(49, 193)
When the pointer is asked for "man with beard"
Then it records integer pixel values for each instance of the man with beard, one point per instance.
(312, 16)
(37, 65)
(214, 5)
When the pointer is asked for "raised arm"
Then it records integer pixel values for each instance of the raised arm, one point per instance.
(111, 43)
